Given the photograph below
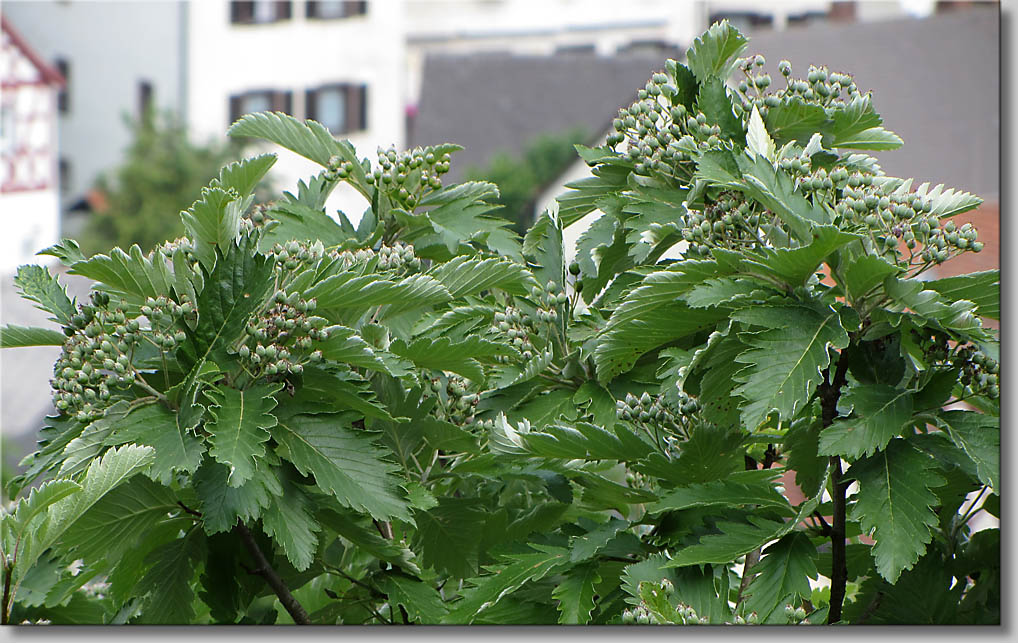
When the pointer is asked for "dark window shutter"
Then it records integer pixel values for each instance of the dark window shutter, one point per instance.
(361, 102)
(236, 104)
(353, 104)
(355, 8)
(311, 104)
(282, 102)
(242, 12)
(311, 9)
(283, 9)
(63, 96)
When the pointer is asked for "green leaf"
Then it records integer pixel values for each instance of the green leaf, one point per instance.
(345, 345)
(344, 461)
(650, 570)
(300, 222)
(14, 336)
(740, 488)
(352, 527)
(589, 544)
(240, 426)
(981, 288)
(38, 285)
(797, 265)
(466, 276)
(774, 189)
(575, 594)
(212, 222)
(120, 519)
(713, 54)
(154, 425)
(444, 354)
(449, 535)
(130, 273)
(489, 589)
(865, 274)
(343, 298)
(716, 104)
(167, 586)
(875, 138)
(881, 413)
(912, 295)
(794, 120)
(949, 202)
(855, 117)
(289, 521)
(35, 504)
(309, 138)
(652, 315)
(783, 573)
(583, 195)
(758, 141)
(101, 477)
(979, 436)
(711, 453)
(238, 285)
(66, 250)
(786, 359)
(895, 503)
(324, 391)
(222, 506)
(733, 540)
(543, 248)
(243, 176)
(422, 602)
(582, 440)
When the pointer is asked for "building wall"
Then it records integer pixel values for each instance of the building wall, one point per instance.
(30, 222)
(295, 55)
(111, 48)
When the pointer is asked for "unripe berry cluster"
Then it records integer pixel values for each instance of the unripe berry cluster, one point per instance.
(661, 134)
(281, 339)
(892, 220)
(456, 403)
(407, 176)
(548, 299)
(398, 258)
(820, 87)
(257, 215)
(517, 327)
(294, 255)
(167, 319)
(167, 248)
(648, 411)
(95, 359)
(730, 222)
(795, 615)
(980, 373)
(338, 169)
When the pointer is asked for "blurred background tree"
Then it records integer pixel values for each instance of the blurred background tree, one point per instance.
(162, 172)
(521, 180)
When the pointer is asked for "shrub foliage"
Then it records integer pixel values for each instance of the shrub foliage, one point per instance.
(421, 419)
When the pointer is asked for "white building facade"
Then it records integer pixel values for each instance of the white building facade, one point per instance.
(29, 208)
(212, 61)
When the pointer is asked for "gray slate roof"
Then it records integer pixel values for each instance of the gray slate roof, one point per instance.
(936, 82)
(493, 102)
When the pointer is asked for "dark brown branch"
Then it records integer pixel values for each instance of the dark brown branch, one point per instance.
(265, 570)
(830, 393)
(189, 510)
(5, 607)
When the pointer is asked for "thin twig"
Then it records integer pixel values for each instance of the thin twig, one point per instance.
(265, 570)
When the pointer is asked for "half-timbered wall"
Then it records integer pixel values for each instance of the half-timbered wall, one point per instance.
(29, 208)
